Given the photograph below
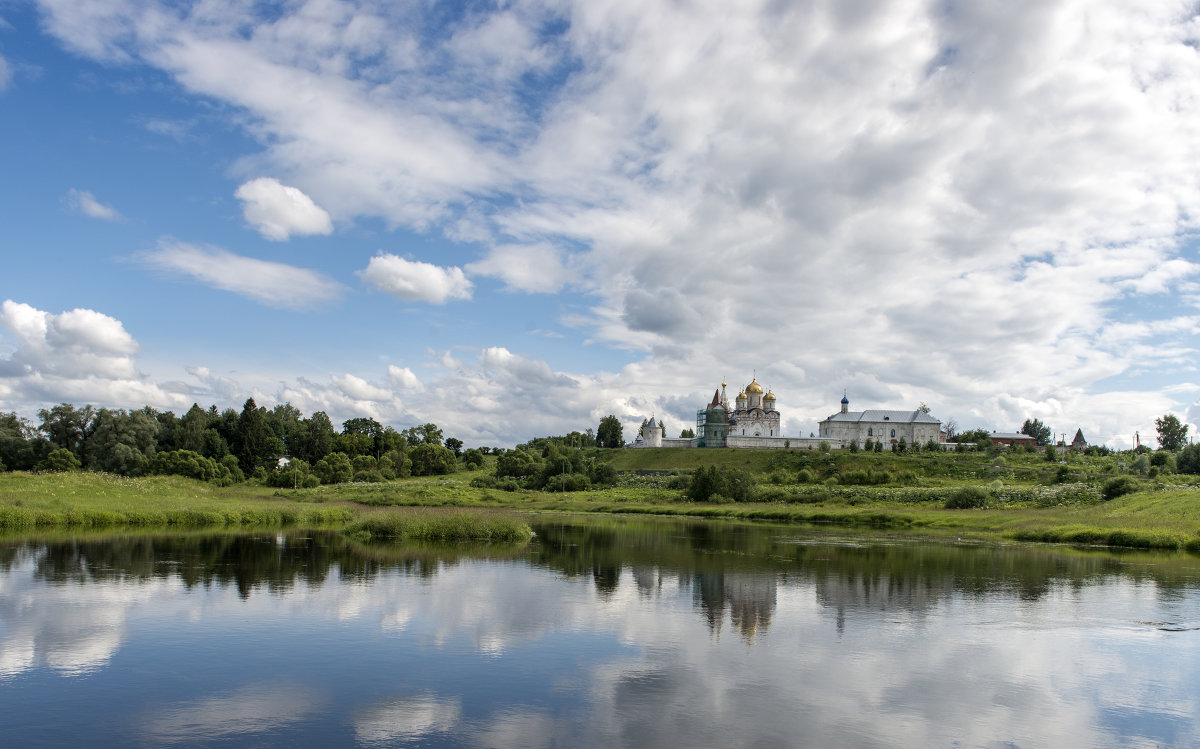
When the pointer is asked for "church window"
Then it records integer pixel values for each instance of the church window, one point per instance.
(870, 431)
(893, 432)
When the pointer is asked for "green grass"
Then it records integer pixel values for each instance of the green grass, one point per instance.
(1163, 514)
(440, 526)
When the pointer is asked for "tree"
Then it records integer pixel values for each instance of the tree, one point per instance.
(609, 432)
(1036, 429)
(426, 434)
(252, 436)
(429, 459)
(1188, 460)
(455, 445)
(59, 459)
(334, 468)
(66, 427)
(1172, 433)
(687, 434)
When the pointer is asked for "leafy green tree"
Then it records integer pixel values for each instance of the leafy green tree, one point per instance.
(1188, 460)
(191, 429)
(426, 434)
(121, 442)
(473, 457)
(20, 444)
(455, 445)
(334, 468)
(60, 459)
(429, 459)
(213, 445)
(687, 434)
(252, 436)
(518, 464)
(609, 433)
(318, 441)
(1172, 433)
(66, 427)
(1036, 429)
(981, 438)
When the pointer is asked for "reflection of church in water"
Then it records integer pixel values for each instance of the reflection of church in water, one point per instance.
(749, 598)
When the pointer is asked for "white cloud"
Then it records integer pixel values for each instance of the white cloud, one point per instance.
(269, 283)
(416, 281)
(5, 74)
(404, 377)
(79, 356)
(278, 211)
(359, 389)
(533, 268)
(84, 202)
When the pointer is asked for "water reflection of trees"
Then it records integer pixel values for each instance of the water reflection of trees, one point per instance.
(733, 570)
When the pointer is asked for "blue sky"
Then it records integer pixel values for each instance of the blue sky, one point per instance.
(514, 218)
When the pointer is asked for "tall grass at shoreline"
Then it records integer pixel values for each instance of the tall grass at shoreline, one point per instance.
(440, 526)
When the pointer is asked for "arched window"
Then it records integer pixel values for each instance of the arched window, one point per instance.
(870, 431)
(893, 432)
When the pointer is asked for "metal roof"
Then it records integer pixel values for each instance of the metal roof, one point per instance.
(882, 416)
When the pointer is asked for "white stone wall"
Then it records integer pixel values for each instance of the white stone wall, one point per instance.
(857, 431)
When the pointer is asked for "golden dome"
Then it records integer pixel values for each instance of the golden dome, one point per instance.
(754, 387)
(769, 396)
(742, 395)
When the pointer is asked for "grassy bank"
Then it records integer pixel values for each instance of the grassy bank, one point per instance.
(1161, 515)
(102, 501)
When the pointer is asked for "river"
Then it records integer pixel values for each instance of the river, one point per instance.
(599, 633)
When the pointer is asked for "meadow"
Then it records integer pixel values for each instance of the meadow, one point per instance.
(1022, 497)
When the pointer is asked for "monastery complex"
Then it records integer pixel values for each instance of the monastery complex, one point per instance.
(752, 421)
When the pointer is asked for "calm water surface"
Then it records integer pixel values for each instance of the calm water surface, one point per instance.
(599, 633)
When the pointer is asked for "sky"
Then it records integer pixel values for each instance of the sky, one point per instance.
(514, 218)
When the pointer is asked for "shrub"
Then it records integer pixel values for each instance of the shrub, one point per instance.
(968, 497)
(805, 476)
(824, 446)
(1118, 487)
(731, 483)
(429, 459)
(1062, 475)
(1051, 454)
(1140, 464)
(59, 460)
(1188, 459)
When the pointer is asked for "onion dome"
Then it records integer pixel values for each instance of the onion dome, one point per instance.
(754, 387)
(769, 396)
(845, 400)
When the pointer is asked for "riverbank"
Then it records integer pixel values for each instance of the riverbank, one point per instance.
(1164, 518)
(103, 501)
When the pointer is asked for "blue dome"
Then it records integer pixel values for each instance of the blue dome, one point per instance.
(845, 399)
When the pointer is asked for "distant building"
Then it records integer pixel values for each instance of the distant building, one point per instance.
(753, 421)
(914, 427)
(1079, 444)
(1010, 439)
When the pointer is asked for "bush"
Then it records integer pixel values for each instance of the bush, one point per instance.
(968, 497)
(1188, 459)
(59, 460)
(805, 476)
(1051, 454)
(1062, 475)
(731, 483)
(1118, 487)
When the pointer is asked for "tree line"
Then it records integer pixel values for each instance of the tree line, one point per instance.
(278, 446)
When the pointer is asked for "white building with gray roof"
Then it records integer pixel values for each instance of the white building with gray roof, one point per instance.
(889, 427)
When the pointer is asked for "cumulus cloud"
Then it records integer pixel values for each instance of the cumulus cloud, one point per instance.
(79, 355)
(533, 268)
(416, 281)
(269, 283)
(404, 377)
(84, 202)
(278, 211)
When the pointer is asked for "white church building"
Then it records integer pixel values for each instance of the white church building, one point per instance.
(752, 421)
